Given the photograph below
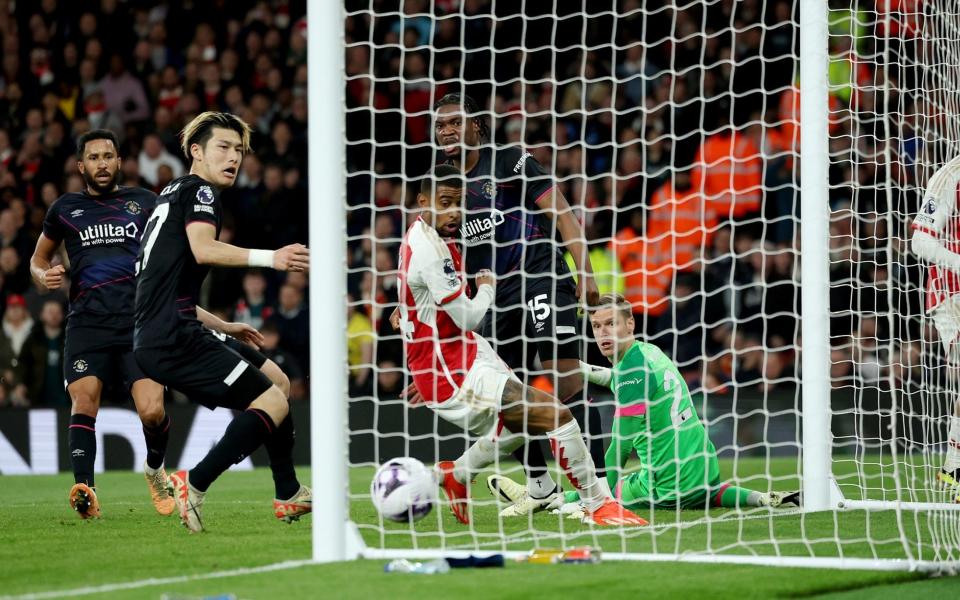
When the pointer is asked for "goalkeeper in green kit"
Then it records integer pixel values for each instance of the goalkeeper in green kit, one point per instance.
(655, 417)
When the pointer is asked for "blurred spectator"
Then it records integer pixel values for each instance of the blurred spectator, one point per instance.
(360, 343)
(124, 93)
(154, 156)
(390, 379)
(253, 308)
(17, 323)
(41, 359)
(287, 363)
(293, 323)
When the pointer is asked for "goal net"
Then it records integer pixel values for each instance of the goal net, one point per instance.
(673, 131)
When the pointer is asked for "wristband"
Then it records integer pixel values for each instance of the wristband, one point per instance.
(260, 258)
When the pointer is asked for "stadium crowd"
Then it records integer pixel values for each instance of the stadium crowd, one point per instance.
(675, 137)
(144, 69)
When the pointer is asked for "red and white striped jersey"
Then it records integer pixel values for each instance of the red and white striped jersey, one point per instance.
(438, 352)
(939, 216)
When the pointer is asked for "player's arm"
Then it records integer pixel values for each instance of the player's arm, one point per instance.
(598, 375)
(467, 313)
(50, 277)
(207, 250)
(618, 452)
(931, 221)
(554, 205)
(242, 331)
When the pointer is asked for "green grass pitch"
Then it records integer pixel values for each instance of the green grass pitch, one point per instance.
(45, 548)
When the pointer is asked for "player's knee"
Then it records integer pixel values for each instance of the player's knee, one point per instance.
(148, 398)
(545, 417)
(151, 414)
(282, 382)
(274, 403)
(84, 403)
(563, 415)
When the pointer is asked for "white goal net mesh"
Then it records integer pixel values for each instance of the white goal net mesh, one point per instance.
(672, 130)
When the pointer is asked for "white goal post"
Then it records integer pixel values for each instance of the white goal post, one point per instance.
(881, 476)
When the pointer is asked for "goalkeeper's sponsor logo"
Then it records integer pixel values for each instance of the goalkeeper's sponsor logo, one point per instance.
(625, 382)
(482, 228)
(519, 165)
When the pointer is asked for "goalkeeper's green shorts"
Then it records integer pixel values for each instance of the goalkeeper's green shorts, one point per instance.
(634, 492)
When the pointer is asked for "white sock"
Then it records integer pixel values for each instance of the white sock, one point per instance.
(479, 455)
(952, 463)
(149, 471)
(574, 458)
(541, 487)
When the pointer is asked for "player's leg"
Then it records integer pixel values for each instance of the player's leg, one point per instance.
(732, 496)
(946, 319)
(501, 327)
(245, 433)
(82, 438)
(540, 414)
(291, 500)
(207, 370)
(148, 399)
(632, 491)
(560, 353)
(570, 390)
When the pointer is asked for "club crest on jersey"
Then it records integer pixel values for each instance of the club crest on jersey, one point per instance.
(132, 207)
(76, 213)
(205, 195)
(489, 190)
(80, 365)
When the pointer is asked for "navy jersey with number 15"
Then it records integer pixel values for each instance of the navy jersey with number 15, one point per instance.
(169, 277)
(101, 235)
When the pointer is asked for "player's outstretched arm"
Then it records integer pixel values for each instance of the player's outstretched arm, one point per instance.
(556, 206)
(242, 331)
(41, 271)
(598, 375)
(207, 250)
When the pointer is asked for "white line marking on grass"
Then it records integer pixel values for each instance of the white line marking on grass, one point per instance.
(136, 503)
(629, 533)
(132, 585)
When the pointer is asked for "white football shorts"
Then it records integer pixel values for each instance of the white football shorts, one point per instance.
(476, 405)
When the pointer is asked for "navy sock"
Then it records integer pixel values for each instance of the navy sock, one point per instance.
(280, 449)
(530, 455)
(243, 435)
(82, 438)
(156, 438)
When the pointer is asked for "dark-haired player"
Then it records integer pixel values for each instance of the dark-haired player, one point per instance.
(459, 375)
(171, 344)
(513, 209)
(100, 228)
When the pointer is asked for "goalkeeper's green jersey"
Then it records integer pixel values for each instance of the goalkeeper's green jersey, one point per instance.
(655, 416)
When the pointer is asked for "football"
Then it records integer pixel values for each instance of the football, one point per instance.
(403, 490)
